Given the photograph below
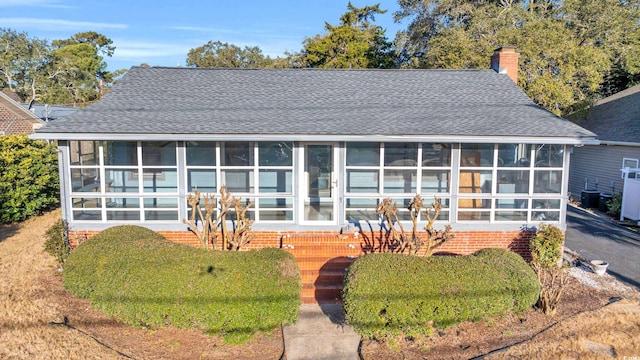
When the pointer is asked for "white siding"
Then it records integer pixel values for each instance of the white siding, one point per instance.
(602, 162)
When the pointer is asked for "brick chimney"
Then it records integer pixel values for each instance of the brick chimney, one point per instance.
(505, 61)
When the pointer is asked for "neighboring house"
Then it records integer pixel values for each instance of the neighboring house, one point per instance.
(316, 150)
(616, 121)
(48, 112)
(15, 119)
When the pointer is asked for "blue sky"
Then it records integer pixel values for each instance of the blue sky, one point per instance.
(160, 33)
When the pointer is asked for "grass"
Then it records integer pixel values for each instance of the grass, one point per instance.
(143, 279)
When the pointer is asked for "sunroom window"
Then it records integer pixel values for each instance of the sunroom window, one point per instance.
(134, 181)
(201, 166)
(397, 170)
(510, 182)
(275, 181)
(259, 172)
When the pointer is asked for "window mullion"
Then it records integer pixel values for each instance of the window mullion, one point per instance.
(532, 170)
(256, 181)
(140, 181)
(103, 185)
(381, 171)
(218, 169)
(494, 184)
(419, 171)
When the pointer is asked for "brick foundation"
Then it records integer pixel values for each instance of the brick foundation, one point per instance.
(464, 242)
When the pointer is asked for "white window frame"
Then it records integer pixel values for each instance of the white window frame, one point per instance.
(631, 175)
(530, 195)
(400, 198)
(106, 197)
(254, 195)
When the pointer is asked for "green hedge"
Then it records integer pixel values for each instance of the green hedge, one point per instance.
(386, 294)
(143, 279)
(29, 183)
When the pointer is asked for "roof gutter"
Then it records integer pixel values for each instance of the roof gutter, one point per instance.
(320, 137)
(622, 143)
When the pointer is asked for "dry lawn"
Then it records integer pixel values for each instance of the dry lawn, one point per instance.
(26, 309)
(612, 332)
(39, 320)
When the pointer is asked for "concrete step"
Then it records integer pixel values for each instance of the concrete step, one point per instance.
(320, 333)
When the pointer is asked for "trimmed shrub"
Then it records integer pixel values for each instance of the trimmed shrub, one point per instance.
(138, 276)
(29, 183)
(546, 246)
(388, 294)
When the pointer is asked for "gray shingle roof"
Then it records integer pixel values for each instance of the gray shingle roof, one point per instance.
(617, 117)
(316, 102)
(51, 112)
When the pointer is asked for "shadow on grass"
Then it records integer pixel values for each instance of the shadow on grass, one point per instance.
(7, 231)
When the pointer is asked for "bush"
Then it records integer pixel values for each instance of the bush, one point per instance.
(28, 178)
(141, 278)
(546, 252)
(389, 294)
(546, 246)
(614, 206)
(57, 243)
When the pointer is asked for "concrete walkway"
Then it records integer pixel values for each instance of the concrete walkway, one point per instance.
(595, 238)
(320, 333)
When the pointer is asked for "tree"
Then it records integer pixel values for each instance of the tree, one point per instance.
(67, 71)
(22, 59)
(76, 69)
(84, 53)
(216, 54)
(571, 51)
(354, 43)
(102, 44)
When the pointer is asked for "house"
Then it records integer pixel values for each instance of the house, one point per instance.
(315, 151)
(48, 112)
(15, 119)
(616, 121)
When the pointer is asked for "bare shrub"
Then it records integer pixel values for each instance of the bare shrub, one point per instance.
(241, 233)
(413, 243)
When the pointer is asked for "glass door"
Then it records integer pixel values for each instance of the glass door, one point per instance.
(320, 183)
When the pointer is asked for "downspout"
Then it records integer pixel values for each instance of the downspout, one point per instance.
(63, 185)
(564, 202)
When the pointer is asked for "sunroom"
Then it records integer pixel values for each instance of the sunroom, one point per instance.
(319, 185)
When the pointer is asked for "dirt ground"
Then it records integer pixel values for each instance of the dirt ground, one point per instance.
(39, 320)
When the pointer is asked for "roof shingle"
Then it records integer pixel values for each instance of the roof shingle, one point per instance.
(316, 102)
(617, 117)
